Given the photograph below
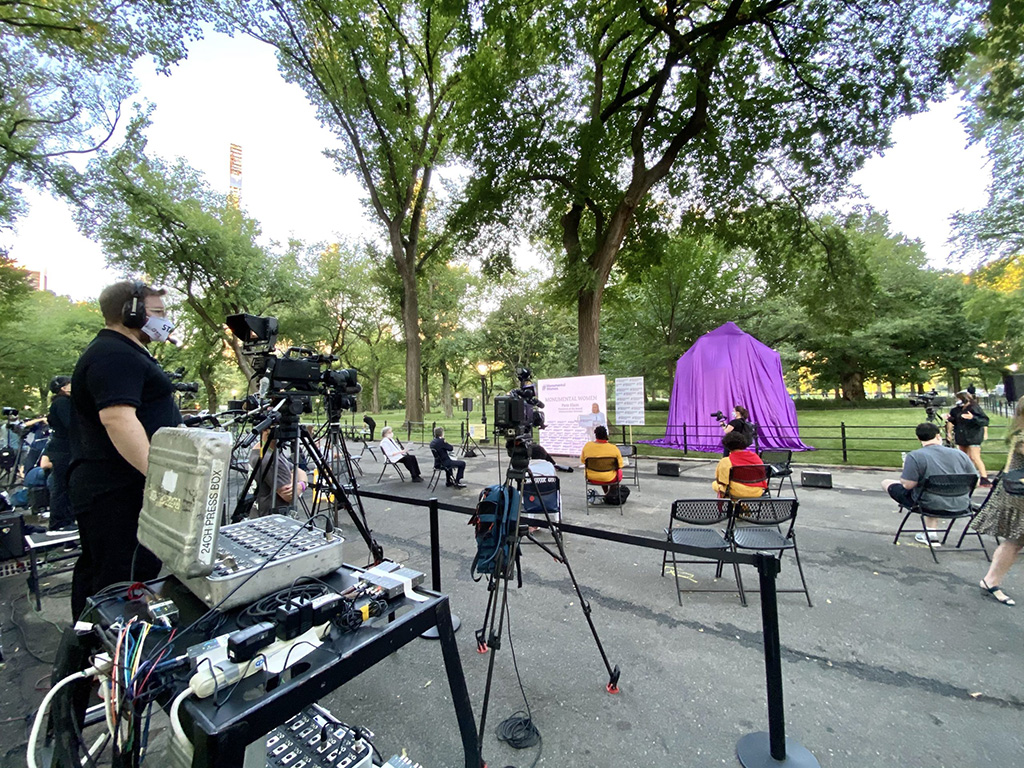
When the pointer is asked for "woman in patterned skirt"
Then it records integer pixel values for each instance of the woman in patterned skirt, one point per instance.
(1003, 516)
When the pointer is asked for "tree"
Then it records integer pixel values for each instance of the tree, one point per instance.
(722, 103)
(162, 220)
(64, 72)
(384, 75)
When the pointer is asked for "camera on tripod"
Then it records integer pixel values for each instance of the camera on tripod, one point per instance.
(299, 371)
(927, 399)
(10, 413)
(518, 412)
(181, 386)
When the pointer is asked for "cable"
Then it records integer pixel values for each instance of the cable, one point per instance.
(24, 635)
(45, 706)
(517, 731)
(177, 732)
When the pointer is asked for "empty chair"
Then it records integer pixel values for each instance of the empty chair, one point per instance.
(760, 525)
(778, 463)
(601, 468)
(688, 524)
(628, 452)
(959, 487)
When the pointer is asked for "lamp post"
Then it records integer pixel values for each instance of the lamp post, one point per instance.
(483, 369)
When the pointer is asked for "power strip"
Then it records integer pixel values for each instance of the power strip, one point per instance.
(401, 761)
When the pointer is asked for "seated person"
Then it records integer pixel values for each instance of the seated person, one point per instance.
(736, 444)
(274, 487)
(932, 458)
(442, 449)
(395, 453)
(597, 448)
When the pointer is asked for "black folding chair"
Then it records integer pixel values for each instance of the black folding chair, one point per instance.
(687, 525)
(389, 463)
(778, 467)
(763, 521)
(948, 486)
(439, 469)
(629, 453)
(600, 464)
(751, 475)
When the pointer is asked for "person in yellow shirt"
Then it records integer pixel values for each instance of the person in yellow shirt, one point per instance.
(736, 443)
(599, 447)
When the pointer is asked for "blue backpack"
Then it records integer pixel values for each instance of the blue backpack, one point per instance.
(497, 516)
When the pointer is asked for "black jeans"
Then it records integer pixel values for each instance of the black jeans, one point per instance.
(60, 502)
(108, 527)
(902, 496)
(411, 464)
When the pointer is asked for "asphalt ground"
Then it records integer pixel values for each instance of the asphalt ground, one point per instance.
(901, 662)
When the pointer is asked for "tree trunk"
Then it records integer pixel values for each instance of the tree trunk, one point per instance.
(853, 385)
(375, 394)
(446, 391)
(411, 330)
(954, 375)
(892, 389)
(589, 331)
(425, 388)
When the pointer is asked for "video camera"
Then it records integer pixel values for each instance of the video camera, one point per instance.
(927, 399)
(518, 412)
(300, 371)
(10, 413)
(181, 386)
(718, 416)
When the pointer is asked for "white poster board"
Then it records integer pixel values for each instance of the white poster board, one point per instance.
(572, 408)
(629, 401)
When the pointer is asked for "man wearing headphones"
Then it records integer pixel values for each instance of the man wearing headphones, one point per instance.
(120, 397)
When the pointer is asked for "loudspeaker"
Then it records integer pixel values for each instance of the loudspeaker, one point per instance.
(467, 404)
(12, 536)
(1013, 386)
(816, 479)
(668, 468)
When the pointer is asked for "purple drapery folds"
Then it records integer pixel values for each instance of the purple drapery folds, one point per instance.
(728, 367)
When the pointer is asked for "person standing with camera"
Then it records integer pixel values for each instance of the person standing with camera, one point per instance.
(120, 397)
(967, 428)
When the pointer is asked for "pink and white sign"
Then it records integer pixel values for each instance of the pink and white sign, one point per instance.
(572, 408)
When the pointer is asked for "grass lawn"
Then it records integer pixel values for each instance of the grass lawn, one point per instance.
(874, 437)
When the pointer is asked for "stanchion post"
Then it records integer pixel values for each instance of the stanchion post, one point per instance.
(761, 750)
(435, 566)
(842, 430)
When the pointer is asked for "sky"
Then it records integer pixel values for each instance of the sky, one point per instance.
(229, 91)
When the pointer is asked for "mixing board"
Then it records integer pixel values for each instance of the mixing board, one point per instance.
(314, 738)
(244, 547)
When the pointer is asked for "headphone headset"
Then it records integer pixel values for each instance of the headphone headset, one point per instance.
(133, 314)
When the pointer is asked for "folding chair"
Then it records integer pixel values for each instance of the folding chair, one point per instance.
(749, 474)
(439, 469)
(628, 452)
(389, 463)
(542, 494)
(949, 486)
(699, 512)
(778, 467)
(599, 464)
(762, 532)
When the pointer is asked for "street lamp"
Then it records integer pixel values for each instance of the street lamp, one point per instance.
(483, 369)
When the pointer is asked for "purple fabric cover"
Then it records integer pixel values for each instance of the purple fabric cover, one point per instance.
(726, 367)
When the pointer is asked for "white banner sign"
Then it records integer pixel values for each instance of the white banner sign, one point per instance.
(572, 408)
(629, 401)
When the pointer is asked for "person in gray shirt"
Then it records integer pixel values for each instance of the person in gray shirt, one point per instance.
(932, 458)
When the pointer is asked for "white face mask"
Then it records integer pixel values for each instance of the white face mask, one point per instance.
(157, 328)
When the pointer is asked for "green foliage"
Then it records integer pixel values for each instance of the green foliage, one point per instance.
(14, 289)
(64, 72)
(45, 340)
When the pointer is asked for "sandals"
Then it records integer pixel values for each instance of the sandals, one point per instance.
(1005, 599)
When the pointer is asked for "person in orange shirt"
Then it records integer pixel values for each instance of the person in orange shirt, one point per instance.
(736, 443)
(599, 447)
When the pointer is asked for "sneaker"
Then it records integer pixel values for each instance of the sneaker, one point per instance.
(936, 540)
(418, 479)
(459, 484)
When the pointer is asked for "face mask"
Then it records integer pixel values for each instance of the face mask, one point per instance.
(157, 328)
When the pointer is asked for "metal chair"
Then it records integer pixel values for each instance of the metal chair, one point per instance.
(439, 469)
(687, 513)
(778, 467)
(749, 474)
(628, 451)
(389, 463)
(543, 494)
(948, 486)
(599, 464)
(763, 520)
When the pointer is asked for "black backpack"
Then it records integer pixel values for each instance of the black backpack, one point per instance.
(617, 494)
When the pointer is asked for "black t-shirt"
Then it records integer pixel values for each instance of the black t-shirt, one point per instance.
(742, 426)
(114, 370)
(59, 419)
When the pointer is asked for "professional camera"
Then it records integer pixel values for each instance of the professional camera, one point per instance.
(186, 386)
(931, 402)
(300, 371)
(520, 411)
(10, 413)
(718, 416)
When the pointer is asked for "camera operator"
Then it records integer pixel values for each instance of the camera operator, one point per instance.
(967, 428)
(57, 455)
(120, 397)
(274, 479)
(739, 423)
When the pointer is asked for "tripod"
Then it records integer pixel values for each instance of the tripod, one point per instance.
(488, 637)
(283, 422)
(469, 446)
